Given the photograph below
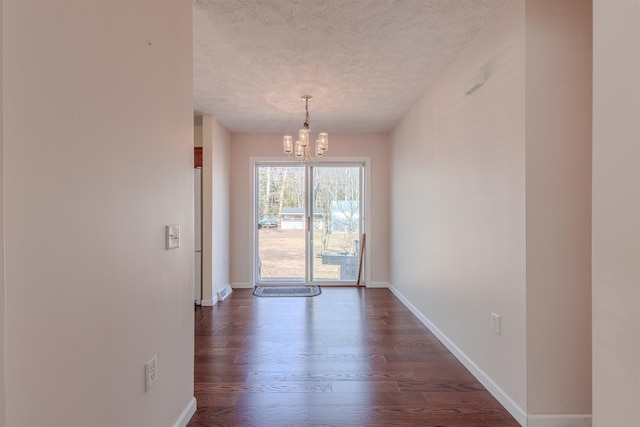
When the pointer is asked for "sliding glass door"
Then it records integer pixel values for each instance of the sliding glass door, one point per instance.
(335, 235)
(281, 223)
(308, 223)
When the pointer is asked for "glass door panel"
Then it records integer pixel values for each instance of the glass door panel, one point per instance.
(281, 224)
(335, 207)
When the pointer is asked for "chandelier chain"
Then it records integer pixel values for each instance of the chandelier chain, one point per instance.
(306, 106)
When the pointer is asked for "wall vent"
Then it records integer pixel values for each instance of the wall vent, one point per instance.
(224, 293)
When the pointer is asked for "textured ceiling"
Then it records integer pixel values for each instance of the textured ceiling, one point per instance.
(365, 62)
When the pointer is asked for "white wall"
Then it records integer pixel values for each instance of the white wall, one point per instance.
(98, 156)
(197, 135)
(558, 197)
(215, 208)
(616, 214)
(269, 146)
(458, 205)
(491, 208)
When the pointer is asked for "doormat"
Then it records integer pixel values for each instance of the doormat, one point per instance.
(287, 291)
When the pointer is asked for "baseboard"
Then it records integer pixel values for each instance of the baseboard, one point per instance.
(246, 285)
(512, 407)
(186, 414)
(208, 302)
(377, 285)
(241, 285)
(559, 420)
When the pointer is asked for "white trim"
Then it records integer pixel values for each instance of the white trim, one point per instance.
(559, 420)
(327, 160)
(378, 285)
(208, 302)
(186, 414)
(241, 285)
(502, 397)
(335, 284)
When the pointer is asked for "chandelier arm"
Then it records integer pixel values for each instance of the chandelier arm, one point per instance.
(296, 159)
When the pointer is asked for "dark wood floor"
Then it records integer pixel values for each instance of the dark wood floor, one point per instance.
(349, 357)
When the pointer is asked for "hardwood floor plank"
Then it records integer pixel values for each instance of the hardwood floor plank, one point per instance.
(274, 415)
(397, 415)
(331, 376)
(364, 386)
(304, 358)
(441, 386)
(207, 399)
(331, 399)
(349, 357)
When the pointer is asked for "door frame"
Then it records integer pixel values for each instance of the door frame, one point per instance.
(365, 162)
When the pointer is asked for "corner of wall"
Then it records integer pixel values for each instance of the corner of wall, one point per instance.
(558, 207)
(382, 285)
(2, 293)
(215, 208)
(616, 213)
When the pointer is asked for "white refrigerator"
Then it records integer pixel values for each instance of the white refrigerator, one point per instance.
(197, 283)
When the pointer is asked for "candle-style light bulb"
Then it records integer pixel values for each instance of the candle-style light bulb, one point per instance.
(287, 144)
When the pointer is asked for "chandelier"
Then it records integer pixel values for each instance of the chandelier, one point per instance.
(301, 150)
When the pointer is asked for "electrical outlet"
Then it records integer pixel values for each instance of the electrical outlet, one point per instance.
(496, 326)
(152, 372)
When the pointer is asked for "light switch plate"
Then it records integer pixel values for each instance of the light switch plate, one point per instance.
(173, 236)
(496, 324)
